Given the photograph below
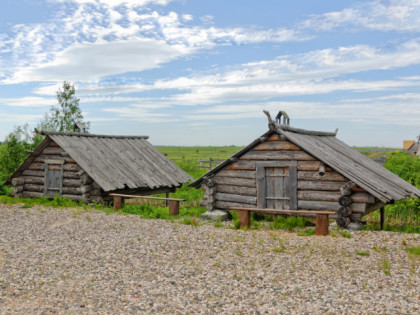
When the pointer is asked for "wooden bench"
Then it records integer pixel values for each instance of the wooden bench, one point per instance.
(173, 202)
(321, 220)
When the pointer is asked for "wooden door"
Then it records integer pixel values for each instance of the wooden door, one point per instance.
(277, 196)
(277, 186)
(53, 180)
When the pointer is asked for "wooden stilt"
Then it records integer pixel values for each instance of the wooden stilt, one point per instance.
(382, 212)
(321, 227)
(244, 218)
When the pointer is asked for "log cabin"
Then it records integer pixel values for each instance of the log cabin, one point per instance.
(295, 169)
(87, 167)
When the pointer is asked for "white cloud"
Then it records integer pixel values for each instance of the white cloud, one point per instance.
(370, 112)
(391, 15)
(88, 62)
(21, 118)
(96, 26)
(27, 101)
(142, 113)
(114, 3)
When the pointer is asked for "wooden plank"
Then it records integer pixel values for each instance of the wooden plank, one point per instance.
(72, 182)
(121, 166)
(245, 182)
(358, 207)
(236, 198)
(292, 187)
(315, 176)
(318, 205)
(242, 165)
(146, 197)
(276, 137)
(42, 158)
(54, 161)
(33, 187)
(19, 181)
(237, 190)
(277, 155)
(276, 163)
(315, 195)
(83, 154)
(53, 144)
(236, 173)
(261, 188)
(281, 211)
(319, 185)
(52, 151)
(33, 173)
(312, 166)
(362, 197)
(65, 190)
(67, 167)
(333, 196)
(276, 145)
(227, 204)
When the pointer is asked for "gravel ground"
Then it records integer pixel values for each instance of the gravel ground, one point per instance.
(70, 261)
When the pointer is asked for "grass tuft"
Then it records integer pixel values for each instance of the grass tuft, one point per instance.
(307, 232)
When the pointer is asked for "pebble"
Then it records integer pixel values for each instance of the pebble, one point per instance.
(71, 261)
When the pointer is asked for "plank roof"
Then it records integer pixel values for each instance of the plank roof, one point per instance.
(120, 162)
(324, 146)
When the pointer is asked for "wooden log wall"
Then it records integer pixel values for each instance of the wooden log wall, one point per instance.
(318, 185)
(77, 185)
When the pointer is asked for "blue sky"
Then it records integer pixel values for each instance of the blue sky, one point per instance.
(191, 72)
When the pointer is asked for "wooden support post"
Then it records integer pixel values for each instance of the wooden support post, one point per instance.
(173, 207)
(382, 212)
(167, 201)
(244, 218)
(118, 202)
(321, 227)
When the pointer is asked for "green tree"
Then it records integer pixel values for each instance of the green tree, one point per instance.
(62, 117)
(13, 150)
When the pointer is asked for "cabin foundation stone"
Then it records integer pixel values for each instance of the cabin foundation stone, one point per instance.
(217, 214)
